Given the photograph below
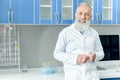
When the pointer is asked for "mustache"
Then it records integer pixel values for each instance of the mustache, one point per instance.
(82, 20)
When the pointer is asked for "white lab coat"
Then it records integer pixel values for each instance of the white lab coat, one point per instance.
(70, 44)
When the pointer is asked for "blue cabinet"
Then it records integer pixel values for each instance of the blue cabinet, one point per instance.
(23, 11)
(104, 11)
(17, 11)
(4, 11)
(62, 11)
(55, 11)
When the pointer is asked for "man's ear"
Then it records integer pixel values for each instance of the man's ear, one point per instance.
(75, 14)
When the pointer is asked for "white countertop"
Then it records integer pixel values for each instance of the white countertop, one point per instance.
(37, 74)
(111, 73)
(31, 75)
(112, 69)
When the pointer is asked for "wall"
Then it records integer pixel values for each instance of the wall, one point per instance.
(37, 42)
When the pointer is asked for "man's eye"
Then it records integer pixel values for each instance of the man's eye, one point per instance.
(88, 14)
(80, 13)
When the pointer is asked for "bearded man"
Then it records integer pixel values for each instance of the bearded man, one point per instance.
(79, 47)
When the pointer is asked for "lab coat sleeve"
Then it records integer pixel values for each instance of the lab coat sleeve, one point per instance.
(99, 49)
(60, 51)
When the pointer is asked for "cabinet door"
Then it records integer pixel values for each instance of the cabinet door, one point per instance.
(22, 11)
(107, 11)
(118, 11)
(103, 11)
(4, 11)
(65, 11)
(44, 11)
(55, 11)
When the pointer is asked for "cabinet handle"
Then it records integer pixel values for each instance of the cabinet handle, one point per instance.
(97, 18)
(8, 16)
(12, 16)
(57, 17)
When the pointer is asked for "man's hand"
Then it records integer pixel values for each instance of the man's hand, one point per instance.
(82, 58)
(92, 57)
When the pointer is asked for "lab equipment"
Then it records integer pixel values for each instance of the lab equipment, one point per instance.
(49, 67)
(9, 48)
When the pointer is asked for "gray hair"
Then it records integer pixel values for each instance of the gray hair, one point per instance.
(85, 4)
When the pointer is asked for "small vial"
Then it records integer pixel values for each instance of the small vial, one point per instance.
(24, 69)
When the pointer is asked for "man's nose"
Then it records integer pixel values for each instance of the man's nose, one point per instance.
(83, 16)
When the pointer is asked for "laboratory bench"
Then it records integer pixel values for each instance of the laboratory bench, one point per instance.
(108, 70)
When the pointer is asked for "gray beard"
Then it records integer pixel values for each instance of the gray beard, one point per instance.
(81, 26)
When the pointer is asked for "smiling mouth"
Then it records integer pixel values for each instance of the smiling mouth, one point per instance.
(83, 21)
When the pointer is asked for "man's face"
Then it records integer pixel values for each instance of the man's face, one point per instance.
(83, 13)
